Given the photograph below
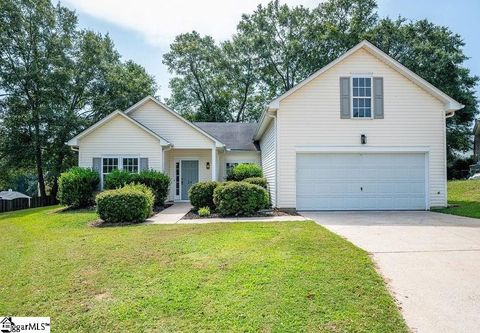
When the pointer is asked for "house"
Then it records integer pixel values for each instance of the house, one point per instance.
(362, 133)
(6, 324)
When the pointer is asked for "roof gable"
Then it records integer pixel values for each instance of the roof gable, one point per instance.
(147, 99)
(113, 115)
(450, 104)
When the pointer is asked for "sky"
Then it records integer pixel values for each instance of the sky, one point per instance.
(142, 30)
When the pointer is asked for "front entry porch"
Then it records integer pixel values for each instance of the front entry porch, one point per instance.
(186, 167)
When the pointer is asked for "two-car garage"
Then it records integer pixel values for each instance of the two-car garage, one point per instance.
(361, 181)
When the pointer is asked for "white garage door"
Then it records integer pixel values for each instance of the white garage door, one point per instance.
(373, 181)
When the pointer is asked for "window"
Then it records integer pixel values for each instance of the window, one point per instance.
(109, 164)
(130, 164)
(177, 178)
(230, 166)
(361, 97)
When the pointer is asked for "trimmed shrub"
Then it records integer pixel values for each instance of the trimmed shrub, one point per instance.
(245, 170)
(257, 181)
(240, 198)
(204, 212)
(201, 194)
(117, 178)
(76, 187)
(131, 203)
(157, 181)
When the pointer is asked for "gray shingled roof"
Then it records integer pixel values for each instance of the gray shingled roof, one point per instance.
(235, 136)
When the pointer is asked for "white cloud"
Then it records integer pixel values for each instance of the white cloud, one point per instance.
(160, 21)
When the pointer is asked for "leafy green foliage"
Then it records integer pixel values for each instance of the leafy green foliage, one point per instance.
(77, 187)
(56, 79)
(245, 170)
(240, 199)
(257, 181)
(157, 181)
(277, 46)
(204, 211)
(117, 178)
(201, 194)
(131, 203)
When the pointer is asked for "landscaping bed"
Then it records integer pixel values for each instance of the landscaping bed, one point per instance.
(192, 214)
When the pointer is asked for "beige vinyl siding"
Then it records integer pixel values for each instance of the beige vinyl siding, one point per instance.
(236, 157)
(268, 149)
(202, 155)
(170, 127)
(311, 116)
(120, 137)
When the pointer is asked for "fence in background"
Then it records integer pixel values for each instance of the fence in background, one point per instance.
(22, 203)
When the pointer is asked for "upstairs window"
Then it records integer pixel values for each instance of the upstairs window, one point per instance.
(361, 97)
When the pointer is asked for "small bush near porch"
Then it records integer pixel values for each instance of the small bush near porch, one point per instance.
(236, 277)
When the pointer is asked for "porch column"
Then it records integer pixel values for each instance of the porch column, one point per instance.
(214, 163)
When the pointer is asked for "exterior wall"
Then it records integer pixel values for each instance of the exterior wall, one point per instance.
(236, 157)
(476, 148)
(168, 126)
(202, 155)
(311, 116)
(268, 149)
(122, 138)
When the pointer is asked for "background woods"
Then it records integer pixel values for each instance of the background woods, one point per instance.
(56, 79)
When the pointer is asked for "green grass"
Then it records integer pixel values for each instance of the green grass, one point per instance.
(464, 195)
(238, 277)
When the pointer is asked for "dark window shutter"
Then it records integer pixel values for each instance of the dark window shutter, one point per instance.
(378, 97)
(345, 98)
(143, 164)
(97, 164)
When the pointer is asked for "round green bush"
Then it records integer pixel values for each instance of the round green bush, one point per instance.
(257, 181)
(131, 203)
(157, 181)
(117, 178)
(201, 194)
(240, 198)
(204, 211)
(76, 187)
(245, 170)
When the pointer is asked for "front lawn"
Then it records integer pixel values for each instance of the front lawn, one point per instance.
(464, 196)
(239, 277)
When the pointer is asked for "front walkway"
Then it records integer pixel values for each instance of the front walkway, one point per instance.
(430, 260)
(172, 214)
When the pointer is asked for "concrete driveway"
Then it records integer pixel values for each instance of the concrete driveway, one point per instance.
(431, 262)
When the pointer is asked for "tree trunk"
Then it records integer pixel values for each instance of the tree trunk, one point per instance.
(39, 161)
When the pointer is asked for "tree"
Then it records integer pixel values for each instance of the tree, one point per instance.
(53, 79)
(278, 46)
(435, 53)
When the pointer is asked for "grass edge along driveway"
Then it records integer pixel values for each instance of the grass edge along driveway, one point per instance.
(237, 277)
(464, 198)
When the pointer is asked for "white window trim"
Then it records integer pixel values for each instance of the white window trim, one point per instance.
(120, 164)
(361, 76)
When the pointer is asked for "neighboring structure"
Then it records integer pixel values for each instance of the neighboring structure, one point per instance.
(364, 132)
(476, 148)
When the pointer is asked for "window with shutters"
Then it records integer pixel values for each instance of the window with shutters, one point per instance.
(361, 97)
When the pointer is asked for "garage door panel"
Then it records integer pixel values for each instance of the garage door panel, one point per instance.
(360, 181)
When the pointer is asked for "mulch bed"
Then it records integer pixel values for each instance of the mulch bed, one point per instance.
(192, 215)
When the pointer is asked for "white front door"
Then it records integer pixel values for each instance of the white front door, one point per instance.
(361, 181)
